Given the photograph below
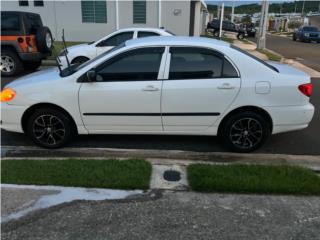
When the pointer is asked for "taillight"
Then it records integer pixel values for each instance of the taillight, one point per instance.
(306, 89)
(7, 95)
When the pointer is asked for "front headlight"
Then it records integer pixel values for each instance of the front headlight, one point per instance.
(307, 34)
(7, 94)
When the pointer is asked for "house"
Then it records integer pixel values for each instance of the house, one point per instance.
(90, 20)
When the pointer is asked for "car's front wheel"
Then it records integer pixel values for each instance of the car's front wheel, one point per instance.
(50, 128)
(244, 132)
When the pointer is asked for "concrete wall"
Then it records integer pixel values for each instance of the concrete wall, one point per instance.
(176, 16)
(58, 15)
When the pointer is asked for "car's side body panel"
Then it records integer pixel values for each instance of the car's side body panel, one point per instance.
(275, 92)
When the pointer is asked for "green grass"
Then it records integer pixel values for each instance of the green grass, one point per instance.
(126, 174)
(261, 179)
(58, 46)
(270, 55)
(223, 38)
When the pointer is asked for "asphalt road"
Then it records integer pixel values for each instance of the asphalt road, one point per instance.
(174, 215)
(300, 142)
(305, 53)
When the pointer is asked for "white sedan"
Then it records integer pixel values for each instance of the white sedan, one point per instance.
(84, 52)
(162, 85)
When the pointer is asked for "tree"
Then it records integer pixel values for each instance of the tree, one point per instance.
(294, 24)
(246, 19)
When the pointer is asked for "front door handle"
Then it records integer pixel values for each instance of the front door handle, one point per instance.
(150, 88)
(226, 86)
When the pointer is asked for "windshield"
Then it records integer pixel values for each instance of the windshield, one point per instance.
(310, 29)
(76, 67)
(255, 58)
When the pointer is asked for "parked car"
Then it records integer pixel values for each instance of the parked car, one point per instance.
(84, 52)
(214, 27)
(162, 85)
(25, 42)
(306, 34)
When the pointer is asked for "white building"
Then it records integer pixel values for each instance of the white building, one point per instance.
(90, 20)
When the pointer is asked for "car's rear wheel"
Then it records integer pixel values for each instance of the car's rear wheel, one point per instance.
(244, 132)
(294, 38)
(50, 128)
(32, 65)
(10, 63)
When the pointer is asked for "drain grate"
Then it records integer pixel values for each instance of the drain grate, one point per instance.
(172, 176)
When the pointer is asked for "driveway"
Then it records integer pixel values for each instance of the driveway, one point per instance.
(175, 215)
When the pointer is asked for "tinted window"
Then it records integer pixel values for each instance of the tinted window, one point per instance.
(310, 29)
(134, 65)
(33, 23)
(10, 22)
(117, 39)
(195, 63)
(255, 58)
(228, 70)
(147, 34)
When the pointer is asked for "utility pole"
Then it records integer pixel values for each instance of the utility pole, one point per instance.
(221, 20)
(302, 11)
(261, 43)
(232, 12)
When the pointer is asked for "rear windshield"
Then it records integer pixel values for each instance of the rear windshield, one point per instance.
(10, 22)
(255, 58)
(310, 29)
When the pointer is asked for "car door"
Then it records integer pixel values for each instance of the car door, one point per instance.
(126, 94)
(112, 41)
(200, 85)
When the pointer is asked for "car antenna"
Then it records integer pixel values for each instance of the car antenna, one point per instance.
(56, 58)
(65, 48)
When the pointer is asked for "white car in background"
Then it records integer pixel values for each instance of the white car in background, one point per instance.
(84, 52)
(162, 85)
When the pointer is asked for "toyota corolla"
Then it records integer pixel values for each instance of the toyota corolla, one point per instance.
(162, 85)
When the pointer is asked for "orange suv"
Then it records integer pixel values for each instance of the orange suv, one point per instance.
(25, 42)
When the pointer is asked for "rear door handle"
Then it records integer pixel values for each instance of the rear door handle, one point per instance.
(226, 86)
(150, 88)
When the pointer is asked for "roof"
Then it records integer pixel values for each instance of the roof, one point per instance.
(177, 40)
(142, 29)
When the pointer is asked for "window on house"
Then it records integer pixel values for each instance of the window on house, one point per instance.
(38, 3)
(94, 11)
(139, 11)
(24, 3)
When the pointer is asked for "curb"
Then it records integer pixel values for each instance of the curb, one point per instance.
(160, 157)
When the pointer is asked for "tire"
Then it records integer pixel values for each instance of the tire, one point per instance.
(44, 40)
(294, 37)
(240, 36)
(32, 65)
(11, 64)
(79, 60)
(50, 128)
(216, 33)
(244, 132)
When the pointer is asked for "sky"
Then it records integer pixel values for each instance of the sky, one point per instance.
(238, 2)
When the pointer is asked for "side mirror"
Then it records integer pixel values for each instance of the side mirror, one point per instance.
(91, 75)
